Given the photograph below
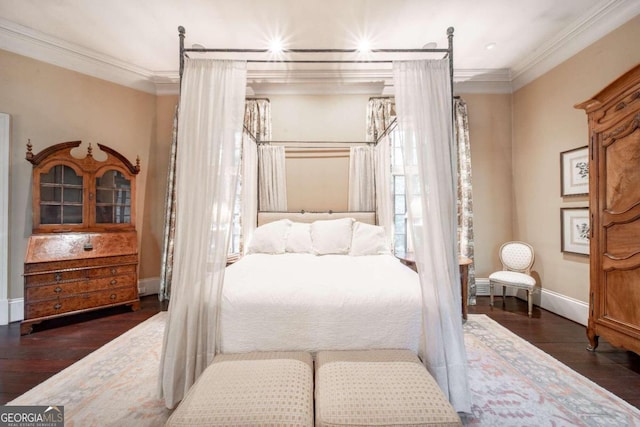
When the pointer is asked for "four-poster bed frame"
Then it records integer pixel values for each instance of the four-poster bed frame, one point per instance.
(448, 53)
(255, 288)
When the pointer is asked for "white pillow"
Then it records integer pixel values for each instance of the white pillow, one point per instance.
(368, 240)
(332, 236)
(299, 238)
(270, 238)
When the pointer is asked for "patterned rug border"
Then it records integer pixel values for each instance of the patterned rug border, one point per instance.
(542, 353)
(581, 403)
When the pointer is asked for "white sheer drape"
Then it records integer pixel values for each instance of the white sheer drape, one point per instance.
(209, 141)
(384, 193)
(362, 192)
(272, 185)
(423, 102)
(249, 188)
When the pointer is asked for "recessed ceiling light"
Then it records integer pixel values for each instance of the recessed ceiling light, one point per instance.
(490, 46)
(364, 46)
(430, 45)
(276, 46)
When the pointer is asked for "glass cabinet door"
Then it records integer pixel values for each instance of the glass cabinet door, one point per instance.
(113, 198)
(60, 196)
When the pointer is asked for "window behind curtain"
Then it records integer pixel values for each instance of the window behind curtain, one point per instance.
(400, 242)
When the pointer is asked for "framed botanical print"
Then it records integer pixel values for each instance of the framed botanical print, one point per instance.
(575, 229)
(574, 172)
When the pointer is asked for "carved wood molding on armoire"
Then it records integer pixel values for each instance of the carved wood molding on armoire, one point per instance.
(83, 253)
(614, 203)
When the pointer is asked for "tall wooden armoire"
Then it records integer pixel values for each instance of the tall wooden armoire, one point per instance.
(614, 199)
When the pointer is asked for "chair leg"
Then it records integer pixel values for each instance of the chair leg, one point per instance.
(491, 293)
(530, 301)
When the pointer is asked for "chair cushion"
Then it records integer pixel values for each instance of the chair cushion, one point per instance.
(378, 387)
(512, 278)
(252, 389)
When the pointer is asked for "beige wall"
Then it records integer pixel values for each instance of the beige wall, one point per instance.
(152, 227)
(545, 124)
(49, 105)
(490, 139)
(318, 184)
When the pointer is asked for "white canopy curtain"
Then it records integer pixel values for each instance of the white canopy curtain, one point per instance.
(209, 141)
(257, 123)
(272, 187)
(383, 182)
(362, 190)
(423, 102)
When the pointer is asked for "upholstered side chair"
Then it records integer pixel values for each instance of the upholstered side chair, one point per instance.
(517, 259)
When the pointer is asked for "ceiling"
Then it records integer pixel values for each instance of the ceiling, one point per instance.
(135, 43)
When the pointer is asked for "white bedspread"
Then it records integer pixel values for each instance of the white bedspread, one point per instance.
(308, 302)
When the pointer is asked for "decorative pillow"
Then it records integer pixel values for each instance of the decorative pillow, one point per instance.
(332, 236)
(368, 240)
(299, 238)
(270, 238)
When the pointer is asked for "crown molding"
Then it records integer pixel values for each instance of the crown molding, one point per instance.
(597, 23)
(36, 45)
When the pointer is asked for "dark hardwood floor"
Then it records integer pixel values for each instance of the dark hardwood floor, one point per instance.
(28, 360)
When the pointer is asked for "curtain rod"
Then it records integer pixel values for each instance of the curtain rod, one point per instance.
(448, 51)
(315, 142)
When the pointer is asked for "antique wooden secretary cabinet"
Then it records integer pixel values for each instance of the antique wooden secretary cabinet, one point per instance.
(614, 198)
(83, 253)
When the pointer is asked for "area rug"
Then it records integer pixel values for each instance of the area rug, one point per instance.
(512, 383)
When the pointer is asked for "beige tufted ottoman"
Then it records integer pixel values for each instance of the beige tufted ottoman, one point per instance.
(378, 388)
(252, 389)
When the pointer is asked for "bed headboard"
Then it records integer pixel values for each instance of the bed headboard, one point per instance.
(267, 217)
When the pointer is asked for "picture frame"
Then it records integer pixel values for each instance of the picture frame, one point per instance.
(574, 229)
(574, 172)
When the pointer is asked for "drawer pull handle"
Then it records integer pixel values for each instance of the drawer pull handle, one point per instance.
(113, 296)
(57, 290)
(58, 306)
(114, 281)
(58, 277)
(114, 271)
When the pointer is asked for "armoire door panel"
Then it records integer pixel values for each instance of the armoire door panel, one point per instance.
(622, 173)
(621, 241)
(622, 286)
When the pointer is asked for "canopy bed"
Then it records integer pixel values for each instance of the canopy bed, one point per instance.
(308, 279)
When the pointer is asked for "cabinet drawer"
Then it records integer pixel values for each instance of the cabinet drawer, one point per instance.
(53, 266)
(114, 270)
(60, 277)
(54, 277)
(68, 289)
(79, 302)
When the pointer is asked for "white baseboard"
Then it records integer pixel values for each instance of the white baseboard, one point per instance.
(16, 310)
(562, 305)
(149, 286)
(4, 311)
